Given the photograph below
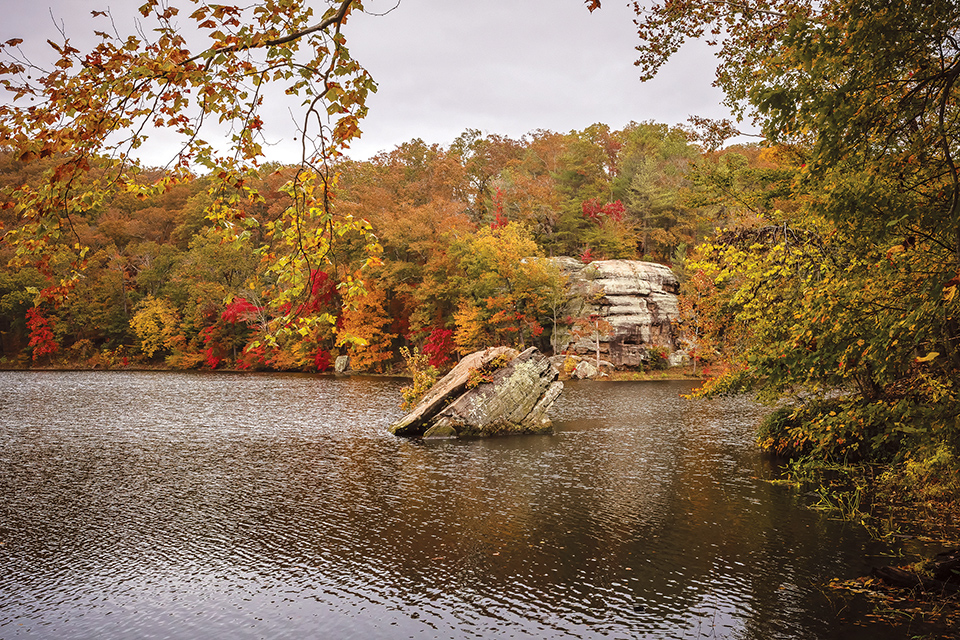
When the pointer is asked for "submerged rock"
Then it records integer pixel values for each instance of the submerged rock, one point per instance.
(440, 432)
(493, 392)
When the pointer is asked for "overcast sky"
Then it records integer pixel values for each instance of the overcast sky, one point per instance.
(502, 66)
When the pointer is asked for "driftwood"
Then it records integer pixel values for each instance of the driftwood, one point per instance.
(946, 566)
(940, 575)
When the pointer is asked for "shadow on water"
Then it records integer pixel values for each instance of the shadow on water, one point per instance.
(220, 506)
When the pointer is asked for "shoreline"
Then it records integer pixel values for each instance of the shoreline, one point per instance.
(670, 374)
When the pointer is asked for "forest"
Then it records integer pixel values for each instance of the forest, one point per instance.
(443, 247)
(820, 267)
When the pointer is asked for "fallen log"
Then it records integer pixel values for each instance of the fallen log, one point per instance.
(940, 575)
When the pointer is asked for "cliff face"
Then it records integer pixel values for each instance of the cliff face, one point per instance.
(638, 300)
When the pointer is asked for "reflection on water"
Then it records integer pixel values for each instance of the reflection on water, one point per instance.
(137, 505)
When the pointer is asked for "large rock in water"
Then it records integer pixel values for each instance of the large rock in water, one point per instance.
(639, 299)
(514, 395)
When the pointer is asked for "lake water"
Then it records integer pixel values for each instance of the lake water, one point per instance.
(177, 505)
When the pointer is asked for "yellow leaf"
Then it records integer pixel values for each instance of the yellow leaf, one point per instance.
(930, 356)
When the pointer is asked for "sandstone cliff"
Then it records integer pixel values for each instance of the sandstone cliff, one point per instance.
(638, 300)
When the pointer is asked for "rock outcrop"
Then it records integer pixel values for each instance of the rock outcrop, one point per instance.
(638, 300)
(342, 364)
(493, 392)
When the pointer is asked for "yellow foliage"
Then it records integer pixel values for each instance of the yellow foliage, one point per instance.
(471, 332)
(364, 331)
(156, 323)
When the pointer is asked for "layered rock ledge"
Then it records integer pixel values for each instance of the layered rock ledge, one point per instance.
(497, 391)
(638, 299)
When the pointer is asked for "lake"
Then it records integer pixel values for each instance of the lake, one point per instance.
(187, 505)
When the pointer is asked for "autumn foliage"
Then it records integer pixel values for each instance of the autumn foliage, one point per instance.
(459, 260)
(819, 268)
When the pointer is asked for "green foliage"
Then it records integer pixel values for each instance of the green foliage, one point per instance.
(657, 358)
(929, 475)
(777, 430)
(835, 282)
(653, 180)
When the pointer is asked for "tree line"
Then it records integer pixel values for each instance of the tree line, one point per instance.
(438, 251)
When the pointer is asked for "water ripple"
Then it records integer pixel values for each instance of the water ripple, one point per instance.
(277, 506)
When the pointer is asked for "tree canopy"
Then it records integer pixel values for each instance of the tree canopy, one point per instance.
(183, 71)
(846, 295)
(457, 267)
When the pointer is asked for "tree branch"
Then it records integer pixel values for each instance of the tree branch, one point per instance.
(335, 19)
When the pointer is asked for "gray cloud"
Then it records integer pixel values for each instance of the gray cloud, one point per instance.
(512, 66)
(501, 66)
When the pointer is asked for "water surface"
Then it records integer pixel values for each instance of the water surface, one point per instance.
(173, 505)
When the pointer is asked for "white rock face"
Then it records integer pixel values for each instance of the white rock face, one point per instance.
(639, 299)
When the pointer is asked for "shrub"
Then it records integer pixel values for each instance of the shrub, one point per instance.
(424, 376)
(657, 358)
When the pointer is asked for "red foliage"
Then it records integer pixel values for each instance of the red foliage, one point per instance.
(322, 289)
(615, 210)
(587, 256)
(252, 358)
(213, 337)
(240, 310)
(211, 359)
(41, 334)
(593, 210)
(501, 220)
(322, 360)
(439, 346)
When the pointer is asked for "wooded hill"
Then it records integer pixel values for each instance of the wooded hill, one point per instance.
(165, 283)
